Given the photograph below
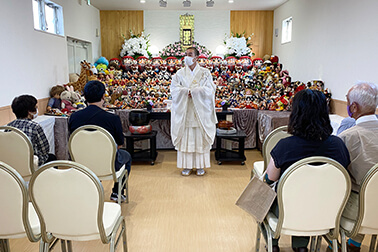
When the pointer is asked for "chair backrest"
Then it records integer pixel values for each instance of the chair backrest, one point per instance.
(271, 140)
(95, 148)
(14, 207)
(16, 150)
(312, 194)
(69, 201)
(367, 221)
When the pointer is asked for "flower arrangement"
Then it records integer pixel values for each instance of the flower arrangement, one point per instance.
(136, 45)
(176, 50)
(225, 103)
(237, 45)
(149, 103)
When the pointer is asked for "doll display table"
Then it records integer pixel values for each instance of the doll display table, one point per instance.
(223, 154)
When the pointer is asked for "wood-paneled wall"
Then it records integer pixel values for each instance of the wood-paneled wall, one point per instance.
(113, 25)
(258, 22)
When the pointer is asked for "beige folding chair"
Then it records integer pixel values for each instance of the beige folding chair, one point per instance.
(17, 215)
(16, 150)
(366, 221)
(95, 148)
(311, 196)
(70, 203)
(270, 141)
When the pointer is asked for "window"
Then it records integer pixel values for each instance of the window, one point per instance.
(287, 25)
(48, 17)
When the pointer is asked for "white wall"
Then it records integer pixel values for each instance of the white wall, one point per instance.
(332, 40)
(34, 61)
(210, 27)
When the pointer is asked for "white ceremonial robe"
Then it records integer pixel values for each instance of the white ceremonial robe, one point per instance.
(193, 120)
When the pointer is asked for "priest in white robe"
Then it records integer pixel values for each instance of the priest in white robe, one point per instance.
(193, 117)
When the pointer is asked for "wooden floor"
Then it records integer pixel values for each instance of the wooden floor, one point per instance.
(168, 212)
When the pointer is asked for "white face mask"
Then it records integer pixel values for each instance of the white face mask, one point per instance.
(36, 114)
(189, 60)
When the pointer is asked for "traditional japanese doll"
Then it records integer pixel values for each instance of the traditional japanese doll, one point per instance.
(238, 67)
(246, 63)
(202, 60)
(141, 63)
(178, 64)
(171, 62)
(114, 63)
(148, 69)
(126, 62)
(223, 70)
(156, 63)
(257, 63)
(217, 60)
(164, 74)
(231, 61)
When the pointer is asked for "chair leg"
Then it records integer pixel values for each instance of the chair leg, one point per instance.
(334, 245)
(269, 235)
(63, 245)
(372, 243)
(119, 190)
(313, 243)
(127, 188)
(318, 243)
(258, 236)
(69, 245)
(343, 241)
(6, 246)
(124, 236)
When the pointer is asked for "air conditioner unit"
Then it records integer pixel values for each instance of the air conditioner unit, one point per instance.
(162, 3)
(186, 3)
(210, 3)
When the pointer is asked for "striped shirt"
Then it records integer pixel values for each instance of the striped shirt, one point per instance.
(37, 137)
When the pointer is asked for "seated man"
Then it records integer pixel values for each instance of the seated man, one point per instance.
(362, 143)
(94, 93)
(25, 108)
(347, 123)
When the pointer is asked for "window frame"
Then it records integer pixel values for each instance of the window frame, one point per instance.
(43, 24)
(287, 30)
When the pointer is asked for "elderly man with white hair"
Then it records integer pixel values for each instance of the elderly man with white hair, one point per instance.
(362, 143)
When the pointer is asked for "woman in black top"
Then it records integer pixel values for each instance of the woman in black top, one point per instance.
(311, 130)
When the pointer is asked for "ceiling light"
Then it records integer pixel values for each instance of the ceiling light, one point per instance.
(142, 1)
(230, 1)
(209, 3)
(186, 3)
(162, 3)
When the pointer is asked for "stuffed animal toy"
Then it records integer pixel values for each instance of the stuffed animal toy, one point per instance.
(101, 64)
(83, 77)
(55, 101)
(69, 98)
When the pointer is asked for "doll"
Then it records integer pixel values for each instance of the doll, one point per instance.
(55, 101)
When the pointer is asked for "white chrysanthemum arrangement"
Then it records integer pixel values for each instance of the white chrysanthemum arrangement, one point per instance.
(237, 45)
(136, 45)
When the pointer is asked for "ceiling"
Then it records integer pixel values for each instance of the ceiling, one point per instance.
(195, 5)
